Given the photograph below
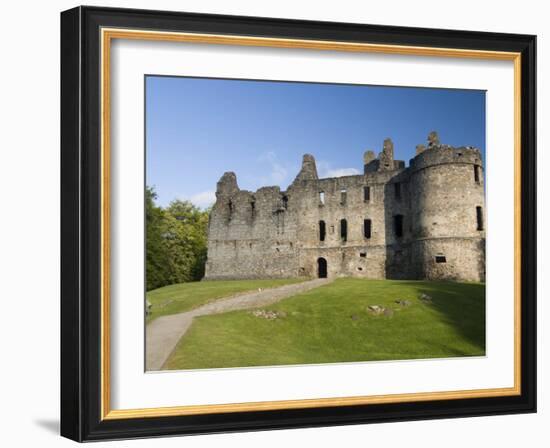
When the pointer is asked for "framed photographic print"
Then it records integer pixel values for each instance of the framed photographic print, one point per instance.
(272, 223)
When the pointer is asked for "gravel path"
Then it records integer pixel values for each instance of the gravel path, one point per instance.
(162, 335)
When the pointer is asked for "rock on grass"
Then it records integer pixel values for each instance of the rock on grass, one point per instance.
(267, 314)
(426, 298)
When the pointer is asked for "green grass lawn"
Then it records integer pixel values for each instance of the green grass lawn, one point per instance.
(182, 297)
(332, 324)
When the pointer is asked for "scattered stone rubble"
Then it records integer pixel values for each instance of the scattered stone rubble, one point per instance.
(268, 314)
(376, 309)
(426, 298)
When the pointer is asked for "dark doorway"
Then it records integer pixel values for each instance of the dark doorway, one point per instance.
(322, 267)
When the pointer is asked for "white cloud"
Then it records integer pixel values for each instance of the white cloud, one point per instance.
(278, 173)
(204, 199)
(325, 170)
(339, 172)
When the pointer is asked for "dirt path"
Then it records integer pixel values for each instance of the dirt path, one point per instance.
(162, 335)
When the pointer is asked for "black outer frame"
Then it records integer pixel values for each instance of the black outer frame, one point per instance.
(80, 223)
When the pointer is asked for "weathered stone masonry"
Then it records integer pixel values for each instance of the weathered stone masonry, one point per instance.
(425, 221)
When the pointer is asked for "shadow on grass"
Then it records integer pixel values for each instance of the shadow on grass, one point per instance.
(461, 305)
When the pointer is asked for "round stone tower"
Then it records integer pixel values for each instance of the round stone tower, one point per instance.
(448, 212)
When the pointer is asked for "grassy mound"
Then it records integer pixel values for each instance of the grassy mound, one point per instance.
(333, 323)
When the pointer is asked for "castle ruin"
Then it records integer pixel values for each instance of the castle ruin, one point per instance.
(425, 221)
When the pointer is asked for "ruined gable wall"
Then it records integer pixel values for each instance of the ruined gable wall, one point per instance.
(251, 235)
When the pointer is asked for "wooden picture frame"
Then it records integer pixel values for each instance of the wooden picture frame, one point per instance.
(86, 34)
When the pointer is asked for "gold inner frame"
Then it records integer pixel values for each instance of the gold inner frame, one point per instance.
(107, 35)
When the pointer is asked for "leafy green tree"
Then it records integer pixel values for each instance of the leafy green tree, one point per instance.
(176, 241)
(156, 270)
(195, 224)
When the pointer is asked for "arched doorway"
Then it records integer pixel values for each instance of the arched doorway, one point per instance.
(322, 267)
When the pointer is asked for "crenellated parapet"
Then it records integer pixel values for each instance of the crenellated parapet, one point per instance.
(437, 153)
(439, 156)
(385, 160)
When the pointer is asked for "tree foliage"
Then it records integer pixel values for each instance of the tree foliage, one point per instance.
(176, 241)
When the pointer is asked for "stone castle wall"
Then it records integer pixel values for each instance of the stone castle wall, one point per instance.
(276, 234)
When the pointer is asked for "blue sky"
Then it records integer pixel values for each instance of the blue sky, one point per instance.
(197, 128)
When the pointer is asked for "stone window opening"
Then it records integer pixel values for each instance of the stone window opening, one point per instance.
(479, 216)
(367, 228)
(439, 258)
(253, 207)
(285, 202)
(363, 254)
(230, 205)
(359, 268)
(343, 196)
(398, 225)
(343, 230)
(366, 194)
(322, 230)
(397, 188)
(322, 197)
(476, 174)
